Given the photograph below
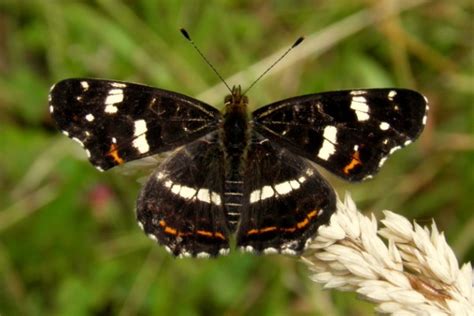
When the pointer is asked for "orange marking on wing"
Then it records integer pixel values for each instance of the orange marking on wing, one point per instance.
(210, 234)
(113, 152)
(262, 230)
(289, 230)
(204, 233)
(312, 214)
(353, 163)
(170, 230)
(173, 231)
(268, 229)
(303, 223)
(219, 235)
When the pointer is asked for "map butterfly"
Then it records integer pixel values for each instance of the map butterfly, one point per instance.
(234, 174)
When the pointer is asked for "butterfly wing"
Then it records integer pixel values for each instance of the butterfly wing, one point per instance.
(350, 133)
(118, 122)
(181, 205)
(285, 200)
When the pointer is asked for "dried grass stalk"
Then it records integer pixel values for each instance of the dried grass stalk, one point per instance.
(404, 268)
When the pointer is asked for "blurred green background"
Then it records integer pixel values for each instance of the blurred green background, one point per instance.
(69, 244)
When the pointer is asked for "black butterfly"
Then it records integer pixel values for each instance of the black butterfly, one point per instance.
(230, 174)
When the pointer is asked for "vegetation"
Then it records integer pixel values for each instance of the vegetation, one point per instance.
(69, 243)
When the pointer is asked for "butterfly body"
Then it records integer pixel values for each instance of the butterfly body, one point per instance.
(231, 173)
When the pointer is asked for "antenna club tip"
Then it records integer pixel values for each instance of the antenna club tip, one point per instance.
(298, 41)
(185, 33)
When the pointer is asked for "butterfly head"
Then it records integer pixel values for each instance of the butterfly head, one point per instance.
(236, 100)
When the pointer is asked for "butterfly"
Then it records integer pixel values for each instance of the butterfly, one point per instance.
(230, 173)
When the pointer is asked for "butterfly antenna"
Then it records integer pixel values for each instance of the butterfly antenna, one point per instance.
(296, 43)
(186, 35)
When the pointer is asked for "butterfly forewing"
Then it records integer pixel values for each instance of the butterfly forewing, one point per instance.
(350, 133)
(118, 122)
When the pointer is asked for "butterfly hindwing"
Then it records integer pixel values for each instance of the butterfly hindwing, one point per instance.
(117, 122)
(350, 133)
(181, 205)
(285, 200)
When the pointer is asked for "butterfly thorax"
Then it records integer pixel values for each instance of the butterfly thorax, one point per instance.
(234, 135)
(235, 124)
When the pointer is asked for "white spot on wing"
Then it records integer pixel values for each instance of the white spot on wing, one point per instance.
(384, 126)
(115, 96)
(330, 139)
(359, 105)
(203, 255)
(90, 117)
(270, 250)
(294, 184)
(267, 192)
(283, 188)
(77, 140)
(184, 254)
(255, 196)
(248, 249)
(85, 85)
(224, 251)
(118, 85)
(152, 237)
(392, 94)
(394, 149)
(288, 251)
(140, 143)
(215, 198)
(203, 195)
(110, 109)
(330, 133)
(358, 92)
(51, 108)
(140, 127)
(175, 189)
